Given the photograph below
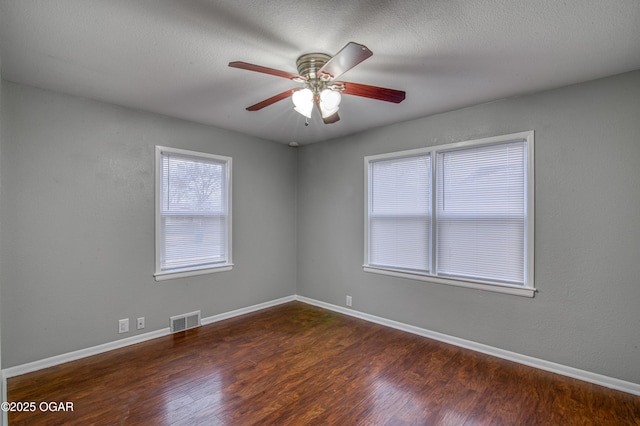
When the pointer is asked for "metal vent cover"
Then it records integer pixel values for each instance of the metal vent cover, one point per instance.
(185, 321)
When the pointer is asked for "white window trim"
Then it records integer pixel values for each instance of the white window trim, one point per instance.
(188, 272)
(528, 290)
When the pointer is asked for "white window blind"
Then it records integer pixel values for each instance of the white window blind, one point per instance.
(400, 213)
(459, 214)
(193, 229)
(481, 213)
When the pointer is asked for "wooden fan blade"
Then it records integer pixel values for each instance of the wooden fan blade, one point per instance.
(373, 92)
(327, 120)
(350, 56)
(272, 100)
(266, 70)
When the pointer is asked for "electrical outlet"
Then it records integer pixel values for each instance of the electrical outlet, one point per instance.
(140, 323)
(349, 301)
(123, 326)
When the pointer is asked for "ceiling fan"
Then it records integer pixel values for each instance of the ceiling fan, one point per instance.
(318, 73)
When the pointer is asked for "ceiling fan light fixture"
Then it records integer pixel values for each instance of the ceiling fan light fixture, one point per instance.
(319, 73)
(329, 102)
(303, 101)
(302, 97)
(330, 99)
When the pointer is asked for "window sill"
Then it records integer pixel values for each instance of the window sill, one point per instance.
(497, 288)
(162, 276)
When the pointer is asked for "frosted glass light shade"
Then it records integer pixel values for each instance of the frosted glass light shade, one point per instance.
(302, 97)
(303, 101)
(330, 99)
(329, 102)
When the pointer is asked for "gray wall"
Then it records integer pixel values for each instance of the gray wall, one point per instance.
(77, 217)
(587, 231)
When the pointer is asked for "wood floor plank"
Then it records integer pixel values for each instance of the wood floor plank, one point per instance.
(296, 364)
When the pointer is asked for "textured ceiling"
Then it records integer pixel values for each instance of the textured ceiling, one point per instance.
(170, 57)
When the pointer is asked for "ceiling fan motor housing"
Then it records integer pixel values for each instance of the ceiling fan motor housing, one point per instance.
(309, 64)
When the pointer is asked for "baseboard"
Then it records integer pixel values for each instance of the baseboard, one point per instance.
(82, 353)
(94, 350)
(587, 376)
(247, 310)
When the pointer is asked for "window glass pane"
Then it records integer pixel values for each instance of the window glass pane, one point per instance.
(192, 186)
(401, 186)
(485, 249)
(193, 241)
(400, 242)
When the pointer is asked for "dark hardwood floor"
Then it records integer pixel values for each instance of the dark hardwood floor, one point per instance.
(296, 364)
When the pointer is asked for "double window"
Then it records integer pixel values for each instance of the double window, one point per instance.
(193, 213)
(459, 214)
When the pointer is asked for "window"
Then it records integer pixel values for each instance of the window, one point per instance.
(193, 213)
(459, 214)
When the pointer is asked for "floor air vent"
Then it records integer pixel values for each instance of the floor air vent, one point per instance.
(185, 321)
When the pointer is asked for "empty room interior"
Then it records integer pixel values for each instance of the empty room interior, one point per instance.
(302, 212)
